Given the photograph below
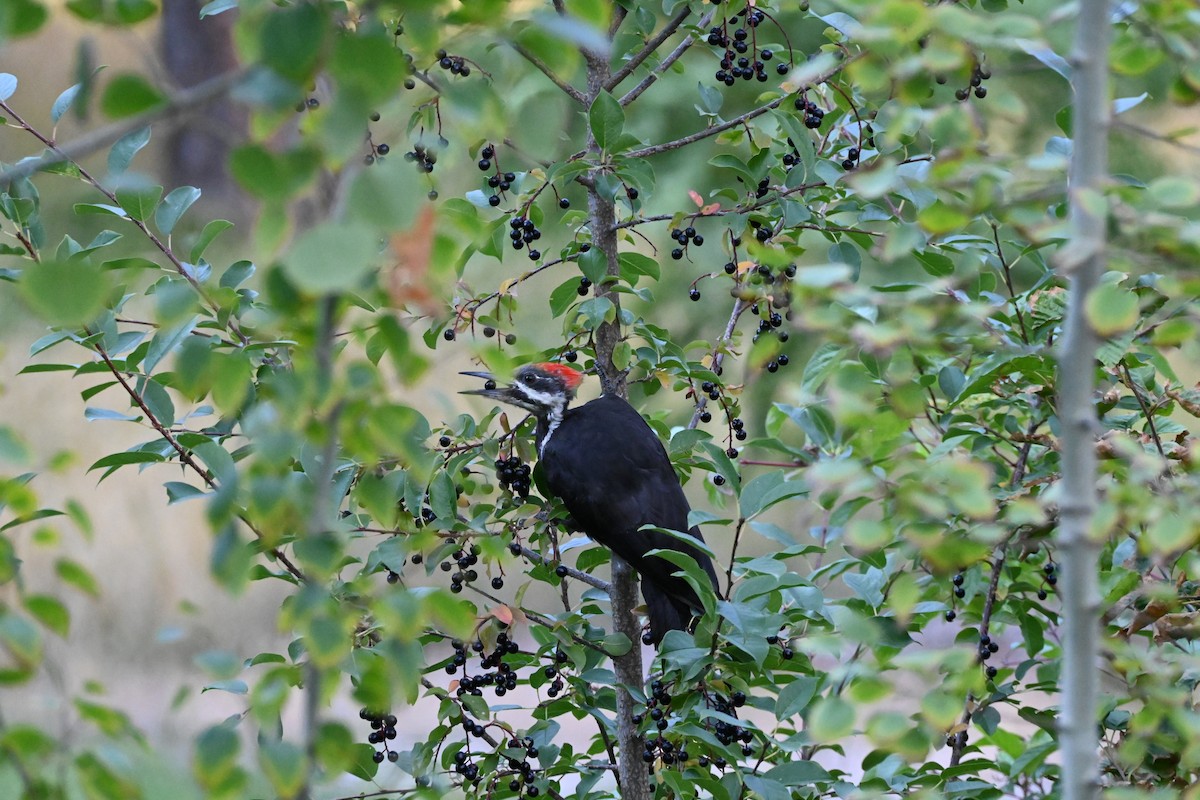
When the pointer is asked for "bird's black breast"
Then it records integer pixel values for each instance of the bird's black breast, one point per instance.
(612, 473)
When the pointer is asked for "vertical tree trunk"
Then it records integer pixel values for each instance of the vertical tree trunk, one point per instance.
(195, 50)
(1084, 263)
(631, 770)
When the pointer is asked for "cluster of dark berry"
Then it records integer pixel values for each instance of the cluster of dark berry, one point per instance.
(792, 157)
(978, 76)
(1050, 575)
(959, 593)
(987, 648)
(742, 57)
(513, 475)
(786, 652)
(728, 733)
(423, 157)
(500, 182)
(762, 232)
(814, 115)
(523, 773)
(378, 151)
(308, 104)
(456, 65)
(685, 236)
(383, 730)
(585, 284)
(736, 426)
(957, 740)
(851, 159)
(425, 517)
(523, 231)
(489, 332)
(465, 560)
(657, 747)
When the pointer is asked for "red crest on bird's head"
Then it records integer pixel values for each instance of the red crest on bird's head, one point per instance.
(571, 378)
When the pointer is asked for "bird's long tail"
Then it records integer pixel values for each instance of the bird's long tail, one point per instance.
(667, 612)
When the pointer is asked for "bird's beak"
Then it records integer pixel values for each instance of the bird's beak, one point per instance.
(490, 389)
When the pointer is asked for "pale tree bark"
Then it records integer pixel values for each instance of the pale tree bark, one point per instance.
(1083, 262)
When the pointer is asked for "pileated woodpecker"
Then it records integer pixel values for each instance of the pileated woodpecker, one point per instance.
(613, 475)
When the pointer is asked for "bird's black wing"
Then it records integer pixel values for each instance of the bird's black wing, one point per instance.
(614, 476)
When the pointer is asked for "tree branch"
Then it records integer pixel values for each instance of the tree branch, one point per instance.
(650, 47)
(632, 777)
(665, 64)
(184, 102)
(162, 246)
(741, 119)
(1083, 260)
(567, 88)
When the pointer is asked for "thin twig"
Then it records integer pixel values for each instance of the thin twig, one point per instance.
(541, 66)
(162, 246)
(184, 102)
(713, 130)
(718, 354)
(649, 48)
(665, 64)
(1145, 409)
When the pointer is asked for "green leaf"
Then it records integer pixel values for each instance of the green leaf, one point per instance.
(796, 696)
(285, 766)
(8, 85)
(215, 7)
(50, 612)
(1111, 309)
(442, 497)
(765, 491)
(63, 102)
(951, 381)
(218, 460)
(292, 40)
(830, 719)
(607, 119)
(798, 773)
(595, 312)
(332, 257)
(67, 294)
(140, 202)
(125, 458)
(165, 341)
(158, 401)
(272, 176)
(210, 232)
(126, 148)
(21, 17)
(21, 639)
(12, 447)
(216, 755)
(173, 206)
(42, 513)
(237, 274)
(1175, 191)
(76, 575)
(128, 94)
(563, 296)
(940, 218)
(83, 209)
(635, 264)
(178, 491)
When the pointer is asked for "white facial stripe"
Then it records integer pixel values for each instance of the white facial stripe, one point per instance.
(553, 403)
(541, 399)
